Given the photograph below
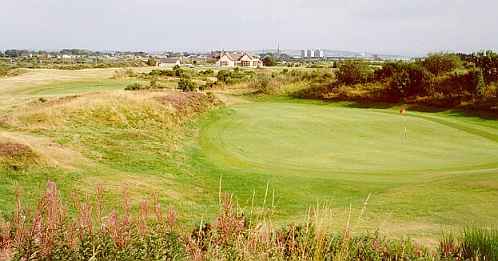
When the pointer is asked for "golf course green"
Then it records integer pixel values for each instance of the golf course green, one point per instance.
(424, 169)
(323, 140)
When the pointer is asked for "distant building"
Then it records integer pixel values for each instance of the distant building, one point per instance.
(238, 59)
(318, 53)
(168, 62)
(309, 53)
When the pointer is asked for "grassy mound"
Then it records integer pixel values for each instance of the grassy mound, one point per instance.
(105, 138)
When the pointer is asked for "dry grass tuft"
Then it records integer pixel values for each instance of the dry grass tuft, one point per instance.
(16, 156)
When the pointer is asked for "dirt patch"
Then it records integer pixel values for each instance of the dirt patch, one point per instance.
(56, 101)
(15, 150)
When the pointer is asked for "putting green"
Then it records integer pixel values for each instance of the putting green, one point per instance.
(326, 140)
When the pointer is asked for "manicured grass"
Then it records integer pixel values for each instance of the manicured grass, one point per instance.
(444, 172)
(65, 88)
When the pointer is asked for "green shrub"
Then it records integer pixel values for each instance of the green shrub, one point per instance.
(439, 63)
(235, 76)
(136, 86)
(207, 72)
(354, 72)
(187, 85)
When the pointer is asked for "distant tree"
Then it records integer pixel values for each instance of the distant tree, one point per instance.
(15, 53)
(269, 61)
(439, 63)
(152, 62)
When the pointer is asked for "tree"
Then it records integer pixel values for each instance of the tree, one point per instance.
(439, 63)
(353, 72)
(387, 71)
(152, 62)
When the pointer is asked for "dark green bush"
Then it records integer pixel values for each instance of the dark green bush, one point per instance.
(187, 85)
(136, 86)
(207, 72)
(235, 76)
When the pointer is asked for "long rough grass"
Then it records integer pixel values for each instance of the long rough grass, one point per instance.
(50, 232)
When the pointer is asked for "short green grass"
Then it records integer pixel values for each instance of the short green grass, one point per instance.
(77, 87)
(444, 172)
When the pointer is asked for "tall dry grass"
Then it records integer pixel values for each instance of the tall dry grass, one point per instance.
(84, 230)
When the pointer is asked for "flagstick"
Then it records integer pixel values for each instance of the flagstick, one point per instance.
(406, 134)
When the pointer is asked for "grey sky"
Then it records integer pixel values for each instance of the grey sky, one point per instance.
(381, 26)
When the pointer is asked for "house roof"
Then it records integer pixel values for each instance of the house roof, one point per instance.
(238, 56)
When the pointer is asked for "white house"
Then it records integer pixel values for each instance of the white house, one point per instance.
(238, 59)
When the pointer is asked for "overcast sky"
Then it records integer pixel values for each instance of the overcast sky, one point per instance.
(379, 26)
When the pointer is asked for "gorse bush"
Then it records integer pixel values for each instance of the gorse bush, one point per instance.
(486, 61)
(354, 72)
(441, 79)
(439, 63)
(187, 85)
(235, 76)
(136, 86)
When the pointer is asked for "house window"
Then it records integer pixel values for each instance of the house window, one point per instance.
(224, 63)
(246, 63)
